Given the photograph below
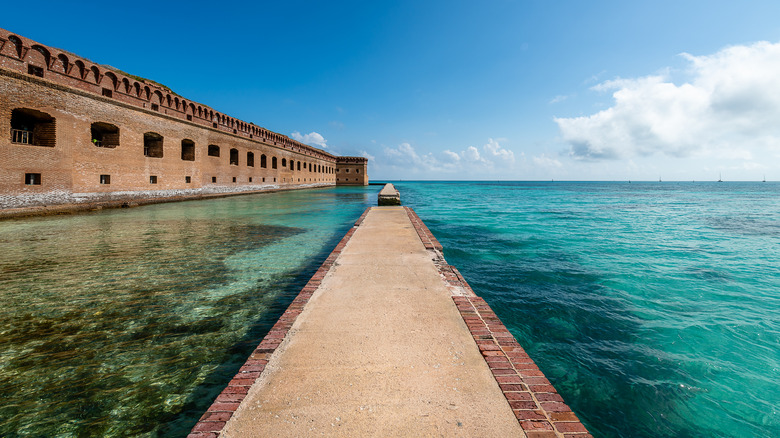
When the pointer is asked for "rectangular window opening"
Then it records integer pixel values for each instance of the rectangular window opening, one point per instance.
(35, 71)
(250, 179)
(105, 179)
(153, 179)
(234, 179)
(32, 179)
(214, 179)
(155, 107)
(189, 117)
(107, 92)
(187, 179)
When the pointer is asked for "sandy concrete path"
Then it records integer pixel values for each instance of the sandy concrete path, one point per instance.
(379, 350)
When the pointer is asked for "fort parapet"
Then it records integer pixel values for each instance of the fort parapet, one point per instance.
(75, 132)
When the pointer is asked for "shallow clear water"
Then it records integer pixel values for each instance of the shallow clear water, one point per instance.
(654, 308)
(130, 322)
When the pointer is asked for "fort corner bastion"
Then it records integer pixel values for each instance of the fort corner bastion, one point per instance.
(79, 135)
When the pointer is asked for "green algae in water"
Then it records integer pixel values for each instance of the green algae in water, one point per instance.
(129, 322)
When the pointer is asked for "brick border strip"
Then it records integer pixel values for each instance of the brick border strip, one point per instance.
(538, 407)
(425, 234)
(222, 409)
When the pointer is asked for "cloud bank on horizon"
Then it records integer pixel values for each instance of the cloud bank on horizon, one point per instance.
(729, 108)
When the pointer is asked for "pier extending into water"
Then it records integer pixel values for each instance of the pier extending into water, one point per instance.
(387, 339)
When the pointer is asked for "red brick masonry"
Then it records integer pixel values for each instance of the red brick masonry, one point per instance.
(537, 406)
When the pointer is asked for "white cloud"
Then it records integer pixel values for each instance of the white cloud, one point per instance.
(452, 156)
(471, 162)
(472, 154)
(729, 107)
(405, 157)
(547, 162)
(492, 148)
(311, 139)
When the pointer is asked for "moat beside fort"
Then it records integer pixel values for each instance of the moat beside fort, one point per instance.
(130, 321)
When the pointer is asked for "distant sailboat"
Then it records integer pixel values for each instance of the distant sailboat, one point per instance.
(764, 178)
(720, 179)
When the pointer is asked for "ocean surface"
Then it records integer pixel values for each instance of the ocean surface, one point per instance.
(654, 308)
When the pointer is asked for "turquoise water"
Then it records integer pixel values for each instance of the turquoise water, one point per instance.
(130, 322)
(654, 308)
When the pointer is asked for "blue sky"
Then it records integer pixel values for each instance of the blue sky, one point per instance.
(496, 89)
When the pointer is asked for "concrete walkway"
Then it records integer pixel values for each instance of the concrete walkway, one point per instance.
(379, 350)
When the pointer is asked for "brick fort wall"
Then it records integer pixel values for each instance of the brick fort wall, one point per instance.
(72, 131)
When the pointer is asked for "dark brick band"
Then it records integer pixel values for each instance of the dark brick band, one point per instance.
(211, 423)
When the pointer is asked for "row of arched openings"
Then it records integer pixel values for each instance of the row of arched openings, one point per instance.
(40, 58)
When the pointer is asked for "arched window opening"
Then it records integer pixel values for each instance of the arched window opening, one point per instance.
(80, 68)
(104, 135)
(153, 145)
(95, 74)
(37, 60)
(113, 81)
(250, 159)
(36, 128)
(263, 162)
(299, 166)
(284, 162)
(292, 165)
(17, 42)
(187, 150)
(63, 63)
(273, 163)
(234, 157)
(213, 150)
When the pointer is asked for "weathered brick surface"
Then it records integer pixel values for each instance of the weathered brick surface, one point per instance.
(77, 93)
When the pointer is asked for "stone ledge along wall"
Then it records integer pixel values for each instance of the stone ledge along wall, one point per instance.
(74, 132)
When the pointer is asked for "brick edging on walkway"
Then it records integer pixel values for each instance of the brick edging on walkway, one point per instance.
(538, 407)
(213, 421)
